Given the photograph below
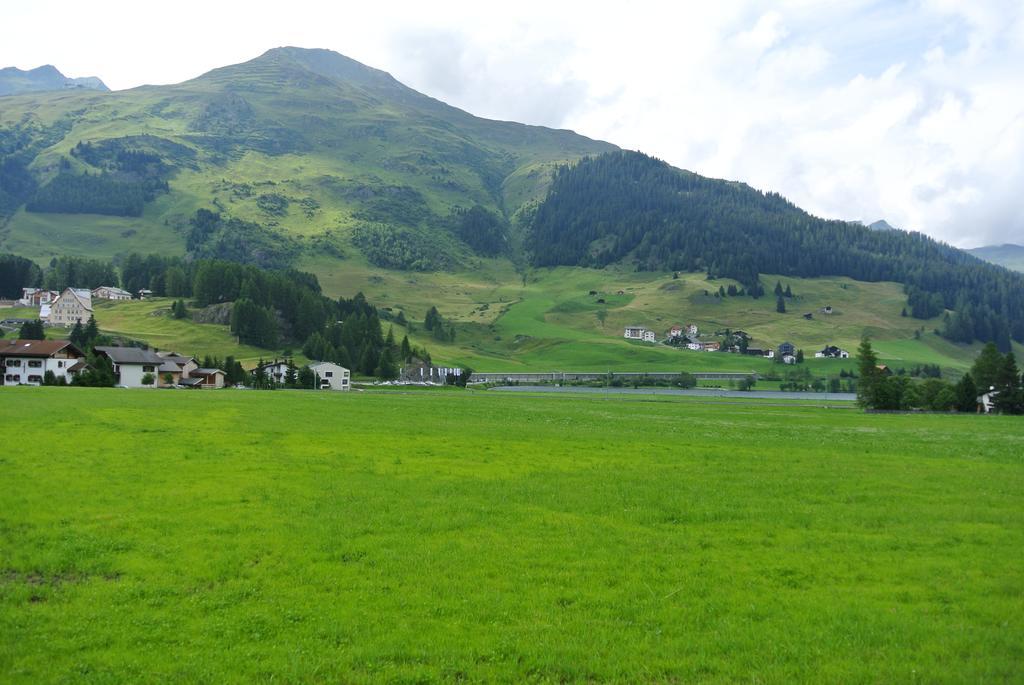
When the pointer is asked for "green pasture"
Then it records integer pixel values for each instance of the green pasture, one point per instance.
(239, 536)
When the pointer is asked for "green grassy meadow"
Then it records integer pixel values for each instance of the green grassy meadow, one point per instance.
(472, 536)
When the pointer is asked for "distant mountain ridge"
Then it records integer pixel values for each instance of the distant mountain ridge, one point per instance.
(14, 81)
(1009, 255)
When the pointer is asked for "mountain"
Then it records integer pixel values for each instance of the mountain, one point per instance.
(309, 159)
(14, 81)
(628, 207)
(297, 152)
(1008, 255)
(882, 225)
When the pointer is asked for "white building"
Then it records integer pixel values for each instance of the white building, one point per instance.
(832, 352)
(691, 330)
(330, 376)
(275, 371)
(987, 402)
(109, 292)
(25, 362)
(35, 297)
(638, 333)
(131, 364)
(73, 306)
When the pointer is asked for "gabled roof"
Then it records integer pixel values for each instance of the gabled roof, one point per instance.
(112, 288)
(206, 372)
(317, 365)
(35, 348)
(131, 355)
(170, 367)
(81, 294)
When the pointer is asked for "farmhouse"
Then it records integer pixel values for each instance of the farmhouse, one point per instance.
(26, 362)
(132, 364)
(109, 292)
(73, 306)
(827, 309)
(692, 331)
(712, 346)
(832, 352)
(330, 376)
(675, 332)
(145, 293)
(787, 348)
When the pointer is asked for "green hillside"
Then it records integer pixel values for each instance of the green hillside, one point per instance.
(307, 144)
(306, 158)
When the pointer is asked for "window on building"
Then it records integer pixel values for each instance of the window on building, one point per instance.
(13, 362)
(35, 379)
(35, 364)
(147, 369)
(328, 374)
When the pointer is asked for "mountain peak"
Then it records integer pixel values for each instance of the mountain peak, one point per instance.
(14, 81)
(330, 64)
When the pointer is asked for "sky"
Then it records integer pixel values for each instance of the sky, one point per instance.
(908, 111)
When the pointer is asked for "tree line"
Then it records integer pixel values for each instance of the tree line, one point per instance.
(626, 205)
(992, 372)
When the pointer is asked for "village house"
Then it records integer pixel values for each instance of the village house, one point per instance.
(176, 367)
(639, 333)
(73, 306)
(832, 352)
(109, 292)
(787, 349)
(330, 376)
(712, 346)
(275, 371)
(203, 378)
(26, 362)
(827, 309)
(987, 401)
(695, 346)
(692, 330)
(132, 364)
(36, 297)
(675, 332)
(145, 293)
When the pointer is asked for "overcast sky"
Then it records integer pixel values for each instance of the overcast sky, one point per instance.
(908, 111)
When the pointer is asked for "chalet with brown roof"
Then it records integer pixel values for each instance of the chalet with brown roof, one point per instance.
(26, 362)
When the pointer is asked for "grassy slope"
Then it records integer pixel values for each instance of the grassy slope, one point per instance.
(371, 135)
(550, 323)
(449, 536)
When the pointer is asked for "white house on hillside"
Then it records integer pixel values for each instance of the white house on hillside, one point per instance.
(639, 333)
(25, 362)
(35, 297)
(330, 376)
(73, 306)
(109, 292)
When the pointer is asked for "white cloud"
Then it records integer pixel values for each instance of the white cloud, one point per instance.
(909, 111)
